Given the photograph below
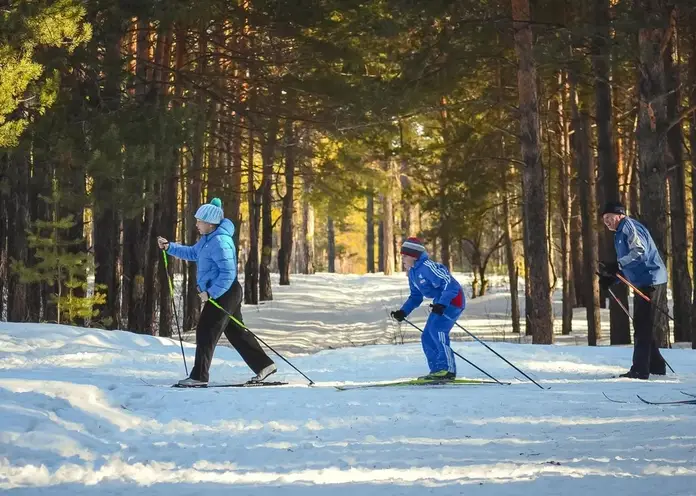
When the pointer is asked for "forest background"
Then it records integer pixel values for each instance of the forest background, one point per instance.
(331, 130)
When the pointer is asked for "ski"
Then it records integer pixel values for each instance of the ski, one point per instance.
(419, 383)
(233, 385)
(678, 402)
(688, 394)
(613, 400)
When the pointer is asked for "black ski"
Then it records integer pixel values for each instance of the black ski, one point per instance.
(233, 385)
(688, 394)
(613, 400)
(678, 402)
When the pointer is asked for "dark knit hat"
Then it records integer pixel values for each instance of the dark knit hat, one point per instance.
(412, 247)
(614, 208)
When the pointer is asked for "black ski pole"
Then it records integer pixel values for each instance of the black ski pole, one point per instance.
(467, 361)
(631, 319)
(496, 353)
(216, 304)
(176, 317)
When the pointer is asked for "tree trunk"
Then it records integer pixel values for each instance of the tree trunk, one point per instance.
(152, 288)
(331, 244)
(576, 247)
(445, 242)
(305, 244)
(167, 229)
(513, 273)
(565, 192)
(528, 303)
(134, 272)
(286, 228)
(298, 238)
(107, 252)
(194, 176)
(388, 224)
(268, 158)
(692, 143)
(633, 189)
(166, 221)
(583, 164)
(508, 191)
(405, 200)
(235, 155)
(608, 171)
(536, 250)
(137, 224)
(370, 233)
(107, 221)
(40, 184)
(17, 247)
(380, 241)
(407, 209)
(251, 269)
(137, 281)
(652, 125)
(308, 221)
(681, 281)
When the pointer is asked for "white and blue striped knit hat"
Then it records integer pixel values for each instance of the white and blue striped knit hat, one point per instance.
(211, 212)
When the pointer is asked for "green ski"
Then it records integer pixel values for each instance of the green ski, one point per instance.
(419, 382)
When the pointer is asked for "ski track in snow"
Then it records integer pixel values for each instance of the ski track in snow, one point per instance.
(78, 416)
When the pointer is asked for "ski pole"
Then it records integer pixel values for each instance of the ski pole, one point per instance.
(631, 318)
(616, 299)
(467, 361)
(176, 317)
(217, 305)
(495, 352)
(643, 295)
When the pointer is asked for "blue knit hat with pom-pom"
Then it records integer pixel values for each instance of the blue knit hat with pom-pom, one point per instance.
(211, 212)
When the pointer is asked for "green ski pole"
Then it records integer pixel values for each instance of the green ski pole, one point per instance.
(176, 317)
(217, 305)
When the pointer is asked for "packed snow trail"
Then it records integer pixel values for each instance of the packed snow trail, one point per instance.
(77, 418)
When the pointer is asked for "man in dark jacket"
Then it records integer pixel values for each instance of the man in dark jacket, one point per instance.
(216, 275)
(641, 264)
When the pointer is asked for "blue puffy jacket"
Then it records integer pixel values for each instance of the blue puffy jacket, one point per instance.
(215, 257)
(432, 280)
(637, 254)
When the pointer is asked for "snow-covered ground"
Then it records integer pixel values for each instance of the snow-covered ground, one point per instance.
(324, 311)
(90, 412)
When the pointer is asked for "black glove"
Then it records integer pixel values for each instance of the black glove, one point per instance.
(608, 268)
(399, 315)
(438, 308)
(605, 281)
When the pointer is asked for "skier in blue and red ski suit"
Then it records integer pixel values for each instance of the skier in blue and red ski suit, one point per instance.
(432, 280)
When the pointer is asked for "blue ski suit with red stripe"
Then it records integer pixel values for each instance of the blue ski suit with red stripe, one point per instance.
(433, 280)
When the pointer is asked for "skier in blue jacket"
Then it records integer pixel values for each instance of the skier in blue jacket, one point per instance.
(641, 264)
(216, 259)
(430, 279)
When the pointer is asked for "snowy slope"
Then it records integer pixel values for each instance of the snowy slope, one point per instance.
(89, 412)
(333, 310)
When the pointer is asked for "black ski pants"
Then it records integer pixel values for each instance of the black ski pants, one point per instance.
(646, 350)
(213, 323)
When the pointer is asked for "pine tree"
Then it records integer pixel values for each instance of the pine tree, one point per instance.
(59, 266)
(28, 85)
